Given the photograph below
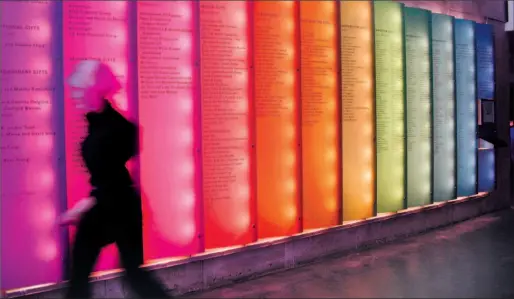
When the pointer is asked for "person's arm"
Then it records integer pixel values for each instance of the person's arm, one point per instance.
(73, 215)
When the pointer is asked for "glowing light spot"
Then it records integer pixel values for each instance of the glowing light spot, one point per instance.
(330, 81)
(120, 36)
(188, 168)
(188, 200)
(368, 153)
(367, 198)
(290, 212)
(45, 106)
(331, 155)
(42, 64)
(242, 105)
(43, 216)
(239, 18)
(290, 186)
(289, 132)
(289, 24)
(44, 143)
(118, 6)
(368, 177)
(289, 79)
(290, 159)
(244, 192)
(243, 222)
(44, 33)
(330, 204)
(186, 106)
(184, 11)
(47, 179)
(242, 78)
(367, 130)
(186, 233)
(47, 251)
(365, 36)
(289, 49)
(186, 72)
(245, 164)
(243, 132)
(330, 132)
(331, 180)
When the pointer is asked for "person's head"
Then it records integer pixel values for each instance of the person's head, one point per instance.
(91, 83)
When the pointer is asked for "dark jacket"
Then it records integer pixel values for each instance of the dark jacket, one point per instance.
(111, 141)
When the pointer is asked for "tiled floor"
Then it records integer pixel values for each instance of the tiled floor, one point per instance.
(474, 259)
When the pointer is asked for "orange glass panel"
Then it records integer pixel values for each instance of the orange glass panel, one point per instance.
(225, 90)
(276, 82)
(319, 94)
(358, 109)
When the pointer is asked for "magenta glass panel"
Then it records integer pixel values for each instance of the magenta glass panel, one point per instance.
(95, 30)
(168, 102)
(31, 143)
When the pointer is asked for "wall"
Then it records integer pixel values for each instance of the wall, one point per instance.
(207, 197)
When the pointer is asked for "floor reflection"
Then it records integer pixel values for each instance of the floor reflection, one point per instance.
(474, 259)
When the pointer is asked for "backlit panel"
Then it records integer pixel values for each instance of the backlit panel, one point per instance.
(167, 101)
(32, 143)
(358, 105)
(443, 86)
(465, 80)
(486, 174)
(320, 126)
(390, 97)
(226, 104)
(276, 104)
(94, 30)
(418, 109)
(484, 47)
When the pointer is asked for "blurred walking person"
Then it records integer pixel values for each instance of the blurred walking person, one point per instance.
(113, 212)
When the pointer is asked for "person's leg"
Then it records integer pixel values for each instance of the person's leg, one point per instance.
(130, 245)
(85, 251)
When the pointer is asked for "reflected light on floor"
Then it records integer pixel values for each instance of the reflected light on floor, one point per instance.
(437, 204)
(163, 261)
(413, 209)
(37, 287)
(348, 222)
(382, 215)
(218, 250)
(313, 230)
(266, 240)
(99, 274)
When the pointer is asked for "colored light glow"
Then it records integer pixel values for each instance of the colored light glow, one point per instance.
(275, 102)
(389, 106)
(226, 139)
(43, 216)
(31, 143)
(466, 113)
(358, 109)
(47, 250)
(167, 100)
(114, 50)
(418, 114)
(486, 170)
(319, 101)
(484, 41)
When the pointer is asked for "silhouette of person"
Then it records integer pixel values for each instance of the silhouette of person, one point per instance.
(113, 212)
